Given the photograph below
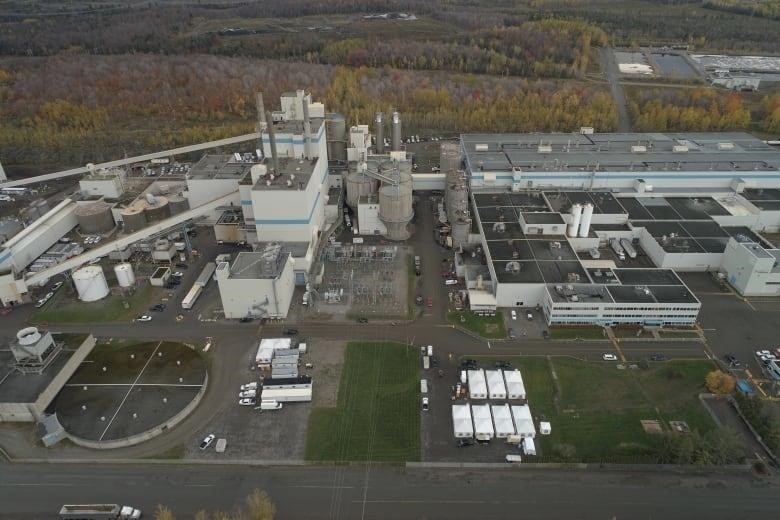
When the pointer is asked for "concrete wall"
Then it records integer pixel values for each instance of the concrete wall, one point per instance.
(242, 297)
(519, 294)
(199, 191)
(368, 220)
(428, 181)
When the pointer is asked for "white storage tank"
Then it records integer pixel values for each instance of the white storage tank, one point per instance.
(124, 275)
(90, 283)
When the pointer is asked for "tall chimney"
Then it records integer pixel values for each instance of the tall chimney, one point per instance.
(306, 131)
(260, 110)
(272, 139)
(379, 132)
(396, 144)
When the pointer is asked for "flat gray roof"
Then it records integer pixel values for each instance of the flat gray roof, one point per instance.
(262, 264)
(219, 166)
(723, 151)
(296, 171)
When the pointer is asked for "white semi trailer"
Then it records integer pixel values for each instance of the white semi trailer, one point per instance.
(628, 247)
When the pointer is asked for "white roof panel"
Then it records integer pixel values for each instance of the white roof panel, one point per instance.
(502, 420)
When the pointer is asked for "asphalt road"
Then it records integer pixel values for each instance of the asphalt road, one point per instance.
(612, 75)
(37, 491)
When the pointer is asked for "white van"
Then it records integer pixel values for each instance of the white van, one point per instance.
(423, 386)
(513, 459)
(270, 404)
(430, 350)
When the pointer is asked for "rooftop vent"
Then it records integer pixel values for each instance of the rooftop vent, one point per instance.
(680, 148)
(544, 148)
(481, 147)
(586, 130)
(638, 149)
(726, 146)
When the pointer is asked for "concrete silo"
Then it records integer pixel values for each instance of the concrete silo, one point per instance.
(134, 217)
(178, 204)
(336, 129)
(379, 132)
(94, 218)
(395, 210)
(449, 157)
(396, 132)
(359, 185)
(125, 276)
(157, 208)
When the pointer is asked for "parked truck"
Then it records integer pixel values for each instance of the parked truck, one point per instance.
(98, 512)
(628, 247)
(616, 247)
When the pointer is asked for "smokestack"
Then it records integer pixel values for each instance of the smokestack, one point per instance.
(379, 132)
(396, 144)
(261, 120)
(272, 139)
(306, 131)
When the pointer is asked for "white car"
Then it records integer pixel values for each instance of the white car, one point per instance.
(760, 353)
(514, 315)
(249, 386)
(207, 441)
(425, 404)
(248, 401)
(609, 357)
(145, 317)
(248, 393)
(530, 316)
(56, 286)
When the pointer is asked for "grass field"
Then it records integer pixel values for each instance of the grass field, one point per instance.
(577, 333)
(377, 417)
(490, 327)
(595, 410)
(62, 309)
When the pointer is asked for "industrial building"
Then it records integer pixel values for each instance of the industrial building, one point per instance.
(544, 205)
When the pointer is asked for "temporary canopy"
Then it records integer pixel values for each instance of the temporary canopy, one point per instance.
(502, 420)
(267, 346)
(524, 423)
(529, 448)
(545, 428)
(477, 384)
(483, 424)
(515, 389)
(461, 421)
(495, 384)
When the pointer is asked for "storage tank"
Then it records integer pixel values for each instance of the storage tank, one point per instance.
(461, 226)
(449, 157)
(587, 215)
(336, 128)
(359, 185)
(396, 140)
(576, 217)
(90, 283)
(134, 217)
(124, 275)
(94, 218)
(395, 210)
(379, 132)
(178, 204)
(159, 210)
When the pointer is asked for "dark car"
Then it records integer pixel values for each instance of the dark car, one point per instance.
(503, 364)
(434, 361)
(291, 332)
(545, 334)
(470, 364)
(181, 265)
(246, 319)
(158, 308)
(465, 443)
(362, 320)
(658, 357)
(731, 359)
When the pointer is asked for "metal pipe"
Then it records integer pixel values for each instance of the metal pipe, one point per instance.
(272, 139)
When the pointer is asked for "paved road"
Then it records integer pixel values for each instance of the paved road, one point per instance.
(35, 491)
(611, 74)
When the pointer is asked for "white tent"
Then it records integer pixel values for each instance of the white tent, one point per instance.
(502, 420)
(529, 448)
(524, 423)
(477, 384)
(461, 421)
(545, 428)
(495, 384)
(483, 424)
(515, 389)
(267, 346)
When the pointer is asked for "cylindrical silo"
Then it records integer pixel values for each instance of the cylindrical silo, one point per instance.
(124, 274)
(94, 218)
(449, 156)
(379, 132)
(395, 210)
(396, 142)
(576, 218)
(90, 283)
(178, 204)
(336, 128)
(461, 226)
(587, 215)
(159, 210)
(359, 185)
(133, 217)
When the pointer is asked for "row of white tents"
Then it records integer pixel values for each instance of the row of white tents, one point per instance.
(484, 422)
(496, 384)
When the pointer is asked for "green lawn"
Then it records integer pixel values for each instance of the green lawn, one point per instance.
(577, 333)
(596, 415)
(62, 309)
(378, 412)
(490, 327)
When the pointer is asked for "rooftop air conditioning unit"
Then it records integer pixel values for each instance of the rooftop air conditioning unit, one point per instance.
(481, 147)
(544, 148)
(586, 130)
(726, 146)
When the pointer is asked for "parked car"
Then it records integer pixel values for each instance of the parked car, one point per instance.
(609, 357)
(529, 315)
(246, 319)
(429, 303)
(468, 364)
(732, 360)
(362, 320)
(512, 334)
(503, 364)
(545, 334)
(249, 386)
(158, 308)
(247, 401)
(56, 286)
(205, 443)
(465, 443)
(144, 317)
(291, 332)
(425, 404)
(248, 393)
(514, 314)
(177, 274)
(658, 357)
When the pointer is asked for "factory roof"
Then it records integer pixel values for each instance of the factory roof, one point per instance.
(219, 166)
(293, 174)
(734, 151)
(295, 126)
(267, 263)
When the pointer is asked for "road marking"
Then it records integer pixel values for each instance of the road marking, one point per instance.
(130, 384)
(313, 486)
(488, 345)
(130, 390)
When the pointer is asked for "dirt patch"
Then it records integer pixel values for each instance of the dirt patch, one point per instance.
(328, 360)
(652, 426)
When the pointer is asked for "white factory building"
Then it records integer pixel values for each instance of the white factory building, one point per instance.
(591, 228)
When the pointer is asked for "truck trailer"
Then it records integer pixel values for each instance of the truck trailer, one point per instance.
(615, 245)
(628, 247)
(98, 512)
